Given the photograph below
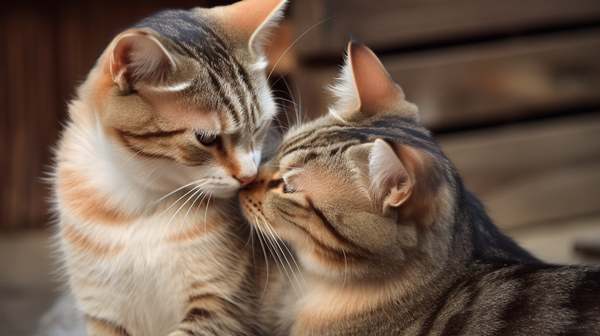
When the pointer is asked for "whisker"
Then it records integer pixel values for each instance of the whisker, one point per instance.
(296, 106)
(278, 79)
(266, 261)
(171, 193)
(206, 212)
(288, 100)
(172, 205)
(345, 268)
(279, 262)
(176, 212)
(276, 239)
(248, 241)
(197, 209)
(291, 45)
(278, 255)
(131, 157)
(199, 192)
(278, 166)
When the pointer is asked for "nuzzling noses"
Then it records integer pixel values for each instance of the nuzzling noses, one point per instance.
(244, 180)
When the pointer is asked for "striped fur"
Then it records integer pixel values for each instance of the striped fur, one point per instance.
(167, 127)
(384, 239)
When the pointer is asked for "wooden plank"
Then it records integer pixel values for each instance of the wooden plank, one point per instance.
(532, 172)
(388, 24)
(487, 83)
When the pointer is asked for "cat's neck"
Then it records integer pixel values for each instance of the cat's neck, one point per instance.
(329, 301)
(489, 244)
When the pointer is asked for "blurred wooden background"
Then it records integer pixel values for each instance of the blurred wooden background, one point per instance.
(511, 88)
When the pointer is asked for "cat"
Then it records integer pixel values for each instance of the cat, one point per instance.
(166, 128)
(375, 234)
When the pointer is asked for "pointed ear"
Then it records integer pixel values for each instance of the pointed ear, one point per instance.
(365, 88)
(138, 58)
(255, 19)
(390, 180)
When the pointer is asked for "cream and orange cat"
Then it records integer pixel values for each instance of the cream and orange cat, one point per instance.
(168, 124)
(384, 239)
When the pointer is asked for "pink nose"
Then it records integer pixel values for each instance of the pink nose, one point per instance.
(245, 180)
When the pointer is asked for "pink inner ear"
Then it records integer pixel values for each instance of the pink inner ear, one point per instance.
(391, 180)
(138, 57)
(375, 87)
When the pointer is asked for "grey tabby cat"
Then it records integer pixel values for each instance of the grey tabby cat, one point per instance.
(168, 125)
(388, 241)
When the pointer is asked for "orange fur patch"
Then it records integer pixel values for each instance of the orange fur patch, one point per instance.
(87, 202)
(84, 243)
(190, 233)
(330, 302)
(96, 326)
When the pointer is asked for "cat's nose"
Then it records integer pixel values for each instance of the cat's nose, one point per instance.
(244, 180)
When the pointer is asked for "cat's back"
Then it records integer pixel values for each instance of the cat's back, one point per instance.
(491, 299)
(518, 299)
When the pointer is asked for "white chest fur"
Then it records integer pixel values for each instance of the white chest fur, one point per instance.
(138, 274)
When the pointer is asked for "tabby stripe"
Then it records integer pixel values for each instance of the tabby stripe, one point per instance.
(232, 109)
(457, 322)
(237, 71)
(439, 309)
(520, 304)
(331, 228)
(349, 254)
(141, 152)
(583, 300)
(196, 314)
(161, 134)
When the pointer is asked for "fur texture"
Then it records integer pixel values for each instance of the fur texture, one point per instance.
(168, 125)
(384, 239)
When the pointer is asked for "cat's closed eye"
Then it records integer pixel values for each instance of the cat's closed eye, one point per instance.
(207, 139)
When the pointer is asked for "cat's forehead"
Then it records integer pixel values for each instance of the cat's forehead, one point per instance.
(327, 135)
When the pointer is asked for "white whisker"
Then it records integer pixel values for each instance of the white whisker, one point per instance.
(176, 212)
(199, 192)
(291, 45)
(345, 268)
(266, 261)
(277, 240)
(206, 212)
(281, 256)
(172, 205)
(171, 193)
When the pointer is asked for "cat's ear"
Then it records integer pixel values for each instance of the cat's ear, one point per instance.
(364, 88)
(138, 58)
(391, 181)
(256, 19)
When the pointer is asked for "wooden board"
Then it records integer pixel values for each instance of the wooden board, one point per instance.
(389, 24)
(532, 172)
(487, 83)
